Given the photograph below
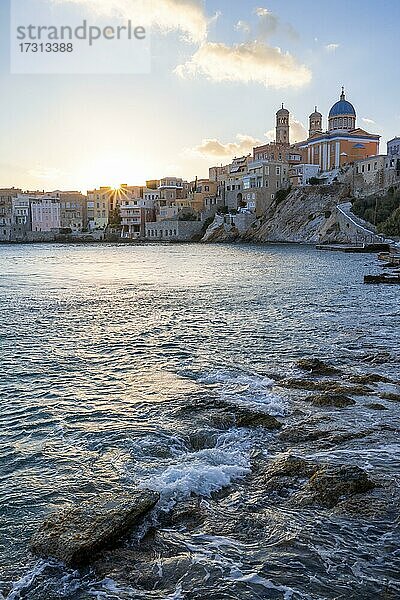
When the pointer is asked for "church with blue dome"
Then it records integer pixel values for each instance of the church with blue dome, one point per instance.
(342, 143)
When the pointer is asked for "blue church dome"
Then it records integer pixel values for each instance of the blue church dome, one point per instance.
(342, 107)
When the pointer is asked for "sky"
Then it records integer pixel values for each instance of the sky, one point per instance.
(219, 71)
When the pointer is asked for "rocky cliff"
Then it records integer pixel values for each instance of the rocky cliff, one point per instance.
(307, 215)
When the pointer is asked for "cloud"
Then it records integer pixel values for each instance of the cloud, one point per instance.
(245, 63)
(41, 172)
(368, 121)
(332, 47)
(213, 148)
(186, 16)
(298, 132)
(268, 22)
(242, 26)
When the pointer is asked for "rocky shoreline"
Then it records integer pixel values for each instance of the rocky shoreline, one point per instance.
(130, 539)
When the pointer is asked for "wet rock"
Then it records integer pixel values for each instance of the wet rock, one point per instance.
(377, 503)
(376, 406)
(242, 417)
(325, 386)
(249, 418)
(316, 366)
(201, 439)
(390, 396)
(326, 399)
(75, 534)
(189, 514)
(346, 436)
(297, 434)
(290, 466)
(330, 484)
(378, 358)
(368, 378)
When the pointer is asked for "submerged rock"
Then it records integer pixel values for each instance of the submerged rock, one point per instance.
(75, 534)
(390, 396)
(316, 366)
(325, 386)
(326, 399)
(330, 484)
(376, 406)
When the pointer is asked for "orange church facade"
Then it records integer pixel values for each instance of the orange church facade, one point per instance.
(342, 144)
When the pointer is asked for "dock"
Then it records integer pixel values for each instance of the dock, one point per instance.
(382, 278)
(363, 249)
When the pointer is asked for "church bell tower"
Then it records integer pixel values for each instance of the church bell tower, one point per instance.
(282, 126)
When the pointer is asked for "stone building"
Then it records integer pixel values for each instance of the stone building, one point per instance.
(202, 194)
(173, 230)
(98, 208)
(134, 216)
(392, 165)
(7, 225)
(73, 210)
(261, 183)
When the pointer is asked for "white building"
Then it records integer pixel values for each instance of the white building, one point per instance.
(21, 211)
(301, 174)
(45, 213)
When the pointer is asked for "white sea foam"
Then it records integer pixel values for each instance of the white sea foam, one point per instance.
(253, 391)
(203, 472)
(255, 579)
(24, 583)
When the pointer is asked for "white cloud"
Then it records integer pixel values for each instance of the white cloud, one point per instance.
(368, 121)
(268, 22)
(245, 63)
(298, 132)
(186, 16)
(243, 26)
(213, 148)
(41, 172)
(332, 47)
(262, 12)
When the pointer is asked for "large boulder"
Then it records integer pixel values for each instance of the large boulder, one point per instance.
(75, 534)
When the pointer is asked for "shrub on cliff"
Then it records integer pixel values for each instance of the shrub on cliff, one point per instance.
(281, 195)
(380, 211)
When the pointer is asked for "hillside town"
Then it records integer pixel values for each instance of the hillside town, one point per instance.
(172, 209)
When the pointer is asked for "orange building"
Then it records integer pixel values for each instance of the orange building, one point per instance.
(343, 143)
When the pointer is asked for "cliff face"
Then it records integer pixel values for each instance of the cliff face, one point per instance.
(307, 215)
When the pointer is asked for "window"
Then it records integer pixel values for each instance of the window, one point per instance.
(278, 170)
(272, 196)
